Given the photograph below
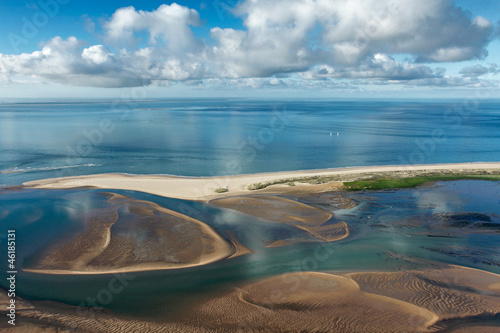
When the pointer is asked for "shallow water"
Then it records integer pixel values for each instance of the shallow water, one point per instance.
(227, 137)
(378, 242)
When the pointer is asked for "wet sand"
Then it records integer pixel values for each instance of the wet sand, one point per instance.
(135, 235)
(449, 298)
(281, 210)
(427, 300)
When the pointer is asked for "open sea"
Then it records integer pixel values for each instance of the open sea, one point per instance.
(226, 137)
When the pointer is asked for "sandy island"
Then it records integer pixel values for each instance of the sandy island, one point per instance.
(136, 235)
(203, 188)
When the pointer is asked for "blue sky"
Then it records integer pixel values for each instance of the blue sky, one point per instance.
(316, 48)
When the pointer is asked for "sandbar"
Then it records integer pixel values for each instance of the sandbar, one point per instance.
(427, 300)
(204, 188)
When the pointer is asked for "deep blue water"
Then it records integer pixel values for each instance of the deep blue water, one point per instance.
(225, 137)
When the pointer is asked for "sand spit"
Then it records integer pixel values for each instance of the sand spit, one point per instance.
(281, 210)
(136, 235)
(275, 209)
(203, 188)
(447, 299)
(239, 249)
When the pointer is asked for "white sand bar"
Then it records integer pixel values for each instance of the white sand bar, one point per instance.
(203, 188)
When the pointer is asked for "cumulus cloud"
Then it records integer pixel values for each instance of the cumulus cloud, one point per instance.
(63, 61)
(316, 40)
(478, 70)
(289, 35)
(380, 66)
(169, 25)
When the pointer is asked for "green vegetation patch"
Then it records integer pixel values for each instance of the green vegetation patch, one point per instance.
(221, 190)
(389, 183)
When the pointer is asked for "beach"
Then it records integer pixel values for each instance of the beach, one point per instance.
(204, 188)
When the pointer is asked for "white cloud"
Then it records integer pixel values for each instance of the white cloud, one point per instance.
(321, 40)
(289, 35)
(97, 54)
(63, 61)
(169, 25)
(380, 66)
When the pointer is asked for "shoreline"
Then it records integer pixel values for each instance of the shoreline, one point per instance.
(204, 188)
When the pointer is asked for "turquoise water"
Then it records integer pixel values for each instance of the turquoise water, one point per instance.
(226, 137)
(42, 218)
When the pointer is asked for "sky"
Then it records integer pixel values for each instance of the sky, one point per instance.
(250, 48)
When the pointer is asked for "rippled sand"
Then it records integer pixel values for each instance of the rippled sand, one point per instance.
(137, 235)
(414, 301)
(281, 210)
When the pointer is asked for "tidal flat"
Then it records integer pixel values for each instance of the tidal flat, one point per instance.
(284, 258)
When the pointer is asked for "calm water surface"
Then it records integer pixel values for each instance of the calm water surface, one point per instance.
(45, 218)
(226, 137)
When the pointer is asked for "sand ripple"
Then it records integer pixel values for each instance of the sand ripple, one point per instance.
(451, 299)
(136, 235)
(310, 219)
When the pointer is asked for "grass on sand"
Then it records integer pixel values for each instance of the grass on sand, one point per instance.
(387, 183)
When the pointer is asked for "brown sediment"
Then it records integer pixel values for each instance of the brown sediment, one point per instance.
(454, 292)
(414, 301)
(478, 328)
(311, 302)
(11, 189)
(284, 242)
(433, 300)
(330, 232)
(276, 209)
(239, 249)
(77, 253)
(302, 189)
(136, 235)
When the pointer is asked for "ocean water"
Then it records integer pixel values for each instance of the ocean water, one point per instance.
(227, 137)
(44, 218)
